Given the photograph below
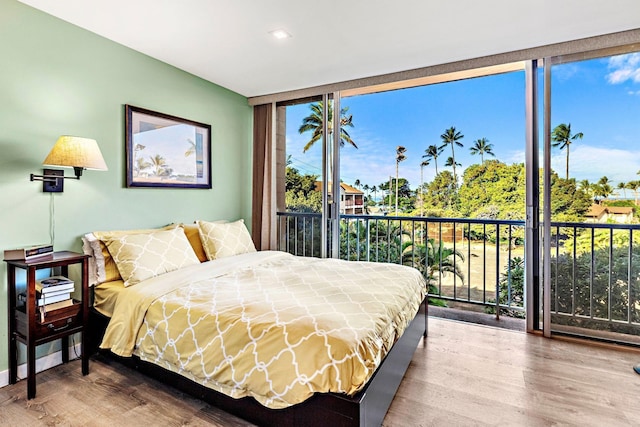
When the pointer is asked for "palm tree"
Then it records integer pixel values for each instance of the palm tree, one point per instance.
(366, 191)
(375, 193)
(158, 163)
(443, 260)
(588, 188)
(389, 191)
(313, 123)
(432, 152)
(563, 138)
(450, 162)
(603, 188)
(400, 150)
(422, 166)
(433, 259)
(141, 164)
(584, 185)
(634, 186)
(623, 186)
(452, 137)
(481, 146)
(192, 148)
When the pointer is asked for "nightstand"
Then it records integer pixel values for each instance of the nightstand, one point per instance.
(26, 325)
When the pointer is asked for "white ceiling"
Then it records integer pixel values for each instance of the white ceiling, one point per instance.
(227, 41)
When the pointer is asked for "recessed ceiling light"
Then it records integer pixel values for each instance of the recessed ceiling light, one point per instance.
(280, 34)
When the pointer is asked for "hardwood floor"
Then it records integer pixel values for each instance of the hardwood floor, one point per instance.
(465, 375)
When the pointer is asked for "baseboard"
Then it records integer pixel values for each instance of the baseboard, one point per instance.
(42, 364)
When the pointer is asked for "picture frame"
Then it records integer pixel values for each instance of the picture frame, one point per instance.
(166, 151)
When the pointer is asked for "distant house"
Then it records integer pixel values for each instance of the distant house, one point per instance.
(604, 214)
(351, 199)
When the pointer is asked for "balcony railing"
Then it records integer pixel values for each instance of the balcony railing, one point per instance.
(595, 280)
(466, 261)
(478, 264)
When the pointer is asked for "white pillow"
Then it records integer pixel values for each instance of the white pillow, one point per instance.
(225, 239)
(91, 246)
(142, 256)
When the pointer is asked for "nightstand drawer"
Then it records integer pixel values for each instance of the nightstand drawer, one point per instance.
(54, 321)
(58, 325)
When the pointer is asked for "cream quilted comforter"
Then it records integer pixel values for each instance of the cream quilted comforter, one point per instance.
(268, 324)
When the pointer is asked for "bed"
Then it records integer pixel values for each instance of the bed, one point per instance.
(273, 338)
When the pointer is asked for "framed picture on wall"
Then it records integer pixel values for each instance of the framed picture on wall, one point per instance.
(166, 151)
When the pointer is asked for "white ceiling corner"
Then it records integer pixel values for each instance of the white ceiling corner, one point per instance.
(228, 42)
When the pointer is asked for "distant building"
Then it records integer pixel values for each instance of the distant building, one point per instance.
(604, 214)
(351, 199)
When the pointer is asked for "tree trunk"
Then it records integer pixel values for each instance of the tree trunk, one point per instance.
(568, 160)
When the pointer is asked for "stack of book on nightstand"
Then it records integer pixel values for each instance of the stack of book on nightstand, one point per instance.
(54, 290)
(52, 293)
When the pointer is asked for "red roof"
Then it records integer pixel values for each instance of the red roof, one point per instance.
(596, 211)
(345, 187)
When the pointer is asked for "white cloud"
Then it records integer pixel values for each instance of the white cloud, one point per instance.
(592, 163)
(372, 163)
(566, 71)
(623, 68)
(515, 156)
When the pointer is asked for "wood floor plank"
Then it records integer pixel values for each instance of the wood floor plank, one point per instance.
(463, 375)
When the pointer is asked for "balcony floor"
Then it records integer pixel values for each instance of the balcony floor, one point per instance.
(465, 375)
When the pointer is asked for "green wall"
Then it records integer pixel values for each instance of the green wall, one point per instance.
(57, 79)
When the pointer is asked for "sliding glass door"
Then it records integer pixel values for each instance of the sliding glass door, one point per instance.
(308, 217)
(593, 162)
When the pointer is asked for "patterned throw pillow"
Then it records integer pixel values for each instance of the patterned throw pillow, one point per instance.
(192, 231)
(106, 269)
(225, 239)
(142, 256)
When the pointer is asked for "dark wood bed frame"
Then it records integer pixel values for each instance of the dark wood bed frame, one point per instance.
(367, 408)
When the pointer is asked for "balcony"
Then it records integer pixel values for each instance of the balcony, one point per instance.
(475, 267)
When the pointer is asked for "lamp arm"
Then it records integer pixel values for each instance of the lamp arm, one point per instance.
(48, 178)
(55, 178)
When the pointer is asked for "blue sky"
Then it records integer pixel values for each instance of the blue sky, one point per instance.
(600, 98)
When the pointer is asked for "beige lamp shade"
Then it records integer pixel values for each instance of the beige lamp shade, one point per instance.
(76, 152)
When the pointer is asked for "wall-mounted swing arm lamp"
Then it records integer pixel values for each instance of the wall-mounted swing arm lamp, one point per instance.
(69, 151)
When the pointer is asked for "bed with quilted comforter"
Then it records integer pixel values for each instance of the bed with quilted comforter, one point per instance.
(265, 326)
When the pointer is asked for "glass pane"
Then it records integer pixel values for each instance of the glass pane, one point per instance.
(595, 261)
